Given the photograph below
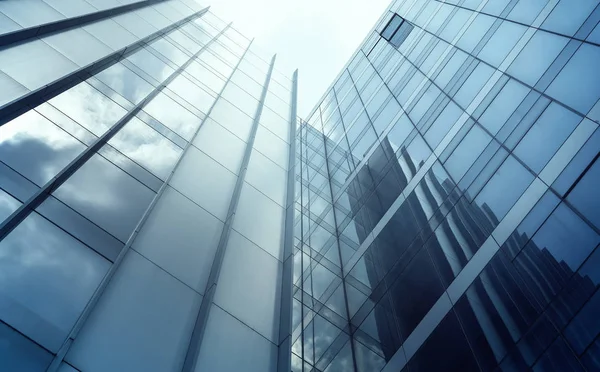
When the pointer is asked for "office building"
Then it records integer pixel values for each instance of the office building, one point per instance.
(144, 150)
(162, 209)
(447, 194)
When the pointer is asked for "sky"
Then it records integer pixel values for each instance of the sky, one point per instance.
(315, 36)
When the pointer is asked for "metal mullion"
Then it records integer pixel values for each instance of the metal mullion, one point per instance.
(34, 98)
(72, 168)
(200, 325)
(284, 361)
(70, 23)
(337, 235)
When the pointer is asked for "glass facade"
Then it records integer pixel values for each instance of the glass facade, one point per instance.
(144, 190)
(163, 209)
(447, 200)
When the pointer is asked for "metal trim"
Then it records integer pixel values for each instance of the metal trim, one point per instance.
(197, 336)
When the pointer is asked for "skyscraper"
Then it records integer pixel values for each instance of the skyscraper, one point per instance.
(144, 152)
(448, 209)
(162, 208)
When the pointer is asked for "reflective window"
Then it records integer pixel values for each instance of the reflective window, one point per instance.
(211, 193)
(48, 279)
(232, 118)
(229, 344)
(125, 82)
(35, 147)
(249, 273)
(22, 64)
(11, 90)
(546, 136)
(107, 196)
(173, 115)
(180, 237)
(399, 132)
(205, 76)
(110, 33)
(267, 177)
(20, 354)
(260, 219)
(140, 300)
(505, 187)
(170, 51)
(585, 196)
(503, 106)
(480, 25)
(467, 152)
(501, 43)
(415, 292)
(142, 144)
(473, 84)
(567, 16)
(192, 93)
(150, 64)
(271, 146)
(578, 82)
(241, 99)
(221, 145)
(536, 57)
(88, 107)
(442, 124)
(78, 45)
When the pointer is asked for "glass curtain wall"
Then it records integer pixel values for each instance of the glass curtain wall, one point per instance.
(144, 154)
(447, 199)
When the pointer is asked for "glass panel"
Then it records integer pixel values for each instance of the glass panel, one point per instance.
(248, 274)
(140, 302)
(205, 76)
(221, 145)
(267, 177)
(232, 118)
(150, 64)
(442, 124)
(192, 93)
(11, 90)
(212, 193)
(21, 13)
(88, 107)
(147, 147)
(110, 33)
(22, 63)
(229, 344)
(503, 106)
(467, 152)
(567, 16)
(504, 188)
(260, 219)
(79, 46)
(501, 43)
(481, 24)
(181, 238)
(546, 136)
(275, 123)
(240, 99)
(536, 57)
(48, 278)
(585, 196)
(473, 84)
(107, 196)
(33, 146)
(578, 82)
(173, 115)
(125, 82)
(270, 145)
(170, 51)
(20, 354)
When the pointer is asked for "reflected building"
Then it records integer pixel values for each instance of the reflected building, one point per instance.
(446, 195)
(144, 156)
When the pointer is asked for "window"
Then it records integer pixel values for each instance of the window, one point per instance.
(397, 30)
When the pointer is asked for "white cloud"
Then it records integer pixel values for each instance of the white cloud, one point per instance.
(315, 36)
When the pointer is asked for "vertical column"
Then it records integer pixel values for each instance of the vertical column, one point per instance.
(285, 324)
(200, 327)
